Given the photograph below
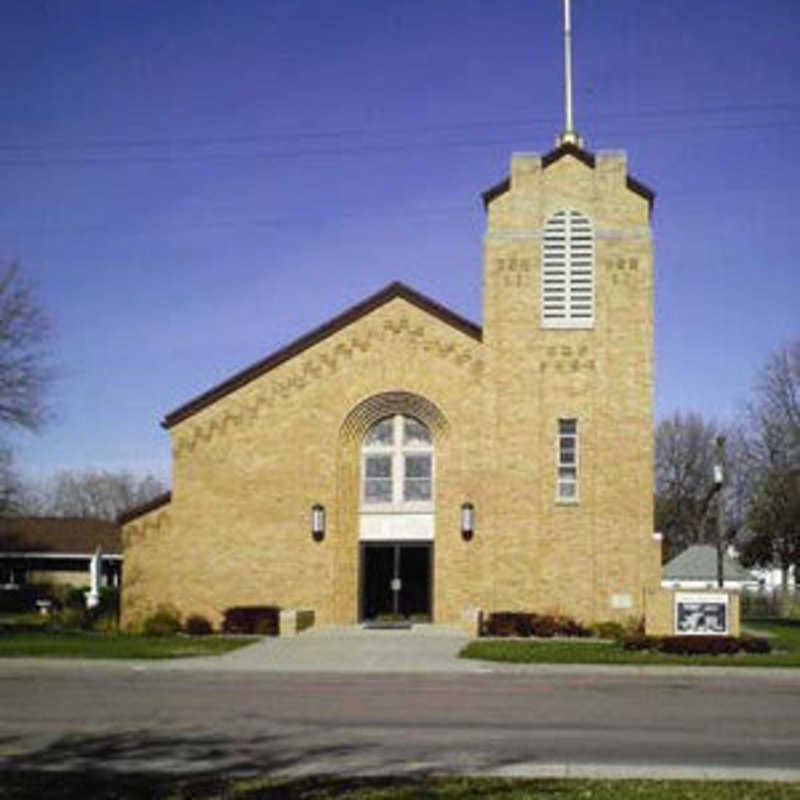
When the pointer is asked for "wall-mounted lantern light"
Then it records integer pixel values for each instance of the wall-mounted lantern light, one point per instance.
(318, 522)
(467, 521)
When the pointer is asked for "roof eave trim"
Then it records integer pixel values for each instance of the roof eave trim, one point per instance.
(318, 334)
(144, 508)
(637, 187)
(58, 554)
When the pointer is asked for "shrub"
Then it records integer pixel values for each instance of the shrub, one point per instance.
(263, 620)
(197, 625)
(641, 642)
(104, 623)
(164, 622)
(71, 619)
(609, 630)
(543, 626)
(755, 644)
(569, 627)
(503, 623)
(523, 623)
(699, 645)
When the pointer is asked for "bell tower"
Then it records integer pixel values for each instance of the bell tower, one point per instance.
(568, 330)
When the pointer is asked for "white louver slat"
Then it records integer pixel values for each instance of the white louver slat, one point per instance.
(568, 271)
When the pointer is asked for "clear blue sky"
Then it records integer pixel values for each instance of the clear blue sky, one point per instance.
(191, 184)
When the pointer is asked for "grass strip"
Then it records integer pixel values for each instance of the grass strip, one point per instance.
(401, 788)
(88, 785)
(112, 645)
(785, 637)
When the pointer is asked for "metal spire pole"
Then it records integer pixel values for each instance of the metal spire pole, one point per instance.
(569, 136)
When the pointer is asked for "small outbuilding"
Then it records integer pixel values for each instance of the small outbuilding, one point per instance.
(696, 568)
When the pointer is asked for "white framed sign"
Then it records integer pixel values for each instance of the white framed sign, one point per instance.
(701, 614)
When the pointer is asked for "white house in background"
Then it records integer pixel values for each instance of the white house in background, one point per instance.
(696, 568)
(770, 579)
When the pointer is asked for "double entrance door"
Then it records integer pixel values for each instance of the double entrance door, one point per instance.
(395, 580)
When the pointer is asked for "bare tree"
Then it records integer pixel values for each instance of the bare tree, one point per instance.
(685, 449)
(774, 523)
(771, 459)
(93, 493)
(24, 370)
(775, 415)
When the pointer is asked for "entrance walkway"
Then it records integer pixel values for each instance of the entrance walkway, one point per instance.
(349, 648)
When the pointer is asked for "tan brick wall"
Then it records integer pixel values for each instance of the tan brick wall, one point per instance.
(147, 571)
(247, 469)
(572, 558)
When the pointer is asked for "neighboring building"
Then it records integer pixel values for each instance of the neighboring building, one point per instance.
(768, 579)
(448, 466)
(696, 568)
(57, 550)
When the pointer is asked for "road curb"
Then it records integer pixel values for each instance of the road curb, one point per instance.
(642, 772)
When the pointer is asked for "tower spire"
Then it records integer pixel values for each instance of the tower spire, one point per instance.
(569, 136)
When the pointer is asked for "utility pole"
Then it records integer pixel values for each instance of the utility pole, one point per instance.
(719, 481)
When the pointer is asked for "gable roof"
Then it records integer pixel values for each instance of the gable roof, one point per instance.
(699, 563)
(332, 326)
(583, 156)
(144, 508)
(59, 535)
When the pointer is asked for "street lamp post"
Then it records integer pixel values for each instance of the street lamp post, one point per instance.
(719, 481)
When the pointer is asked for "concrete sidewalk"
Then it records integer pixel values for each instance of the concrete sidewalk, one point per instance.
(352, 649)
(347, 649)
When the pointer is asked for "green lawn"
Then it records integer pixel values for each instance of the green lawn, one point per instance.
(785, 638)
(785, 631)
(88, 785)
(112, 645)
(468, 788)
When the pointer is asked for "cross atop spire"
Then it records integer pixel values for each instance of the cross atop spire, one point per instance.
(569, 136)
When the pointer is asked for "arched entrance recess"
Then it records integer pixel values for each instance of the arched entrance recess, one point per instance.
(391, 440)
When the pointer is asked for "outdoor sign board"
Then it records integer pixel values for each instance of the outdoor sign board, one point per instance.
(701, 614)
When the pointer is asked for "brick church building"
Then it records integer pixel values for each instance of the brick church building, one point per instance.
(400, 460)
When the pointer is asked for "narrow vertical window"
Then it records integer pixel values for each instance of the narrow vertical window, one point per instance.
(568, 271)
(567, 460)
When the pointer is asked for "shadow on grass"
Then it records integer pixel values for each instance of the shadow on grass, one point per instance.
(142, 764)
(94, 785)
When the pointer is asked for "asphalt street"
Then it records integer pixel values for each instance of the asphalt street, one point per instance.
(132, 717)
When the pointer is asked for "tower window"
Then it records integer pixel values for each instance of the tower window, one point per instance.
(568, 271)
(567, 479)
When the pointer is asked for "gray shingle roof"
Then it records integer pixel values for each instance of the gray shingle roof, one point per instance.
(699, 563)
(59, 535)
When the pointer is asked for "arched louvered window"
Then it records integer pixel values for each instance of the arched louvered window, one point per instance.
(568, 271)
